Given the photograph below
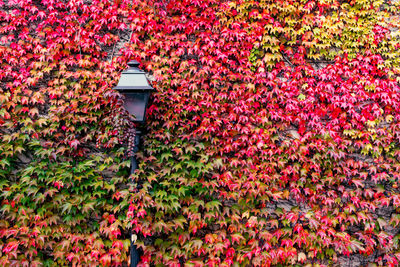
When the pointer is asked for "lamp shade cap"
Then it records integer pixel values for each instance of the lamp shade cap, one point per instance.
(133, 81)
(133, 64)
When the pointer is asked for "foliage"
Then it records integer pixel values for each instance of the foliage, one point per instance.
(272, 138)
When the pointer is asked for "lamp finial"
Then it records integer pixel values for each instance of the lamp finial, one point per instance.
(133, 64)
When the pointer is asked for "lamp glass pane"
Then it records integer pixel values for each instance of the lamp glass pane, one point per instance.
(133, 80)
(135, 103)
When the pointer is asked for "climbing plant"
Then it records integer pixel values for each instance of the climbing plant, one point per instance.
(271, 139)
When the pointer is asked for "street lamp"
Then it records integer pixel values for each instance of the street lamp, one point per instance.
(134, 86)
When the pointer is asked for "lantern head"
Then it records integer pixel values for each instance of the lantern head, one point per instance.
(134, 86)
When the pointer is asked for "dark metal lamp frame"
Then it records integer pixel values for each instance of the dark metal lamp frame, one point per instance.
(133, 75)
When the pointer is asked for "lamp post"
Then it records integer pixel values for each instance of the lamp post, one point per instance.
(134, 86)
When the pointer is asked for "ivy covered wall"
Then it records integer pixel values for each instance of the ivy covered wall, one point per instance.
(272, 137)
